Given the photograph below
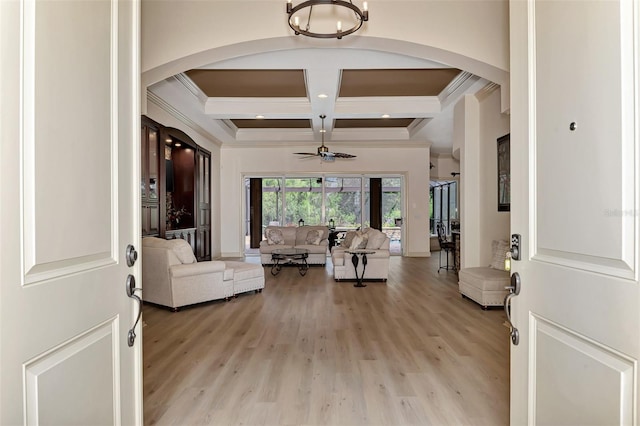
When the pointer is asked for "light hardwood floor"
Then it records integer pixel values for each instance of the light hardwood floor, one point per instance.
(312, 351)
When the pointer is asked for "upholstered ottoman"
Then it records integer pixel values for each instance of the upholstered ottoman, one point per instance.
(246, 276)
(483, 285)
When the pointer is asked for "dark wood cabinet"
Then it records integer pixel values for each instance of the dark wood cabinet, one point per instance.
(149, 179)
(203, 201)
(175, 187)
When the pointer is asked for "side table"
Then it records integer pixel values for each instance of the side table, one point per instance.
(356, 256)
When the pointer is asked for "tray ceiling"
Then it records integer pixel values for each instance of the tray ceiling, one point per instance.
(278, 97)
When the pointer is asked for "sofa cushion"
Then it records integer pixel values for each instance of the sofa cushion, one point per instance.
(486, 279)
(303, 231)
(499, 254)
(314, 248)
(275, 237)
(288, 234)
(376, 238)
(182, 250)
(244, 270)
(313, 237)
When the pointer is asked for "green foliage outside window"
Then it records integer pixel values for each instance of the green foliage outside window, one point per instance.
(303, 200)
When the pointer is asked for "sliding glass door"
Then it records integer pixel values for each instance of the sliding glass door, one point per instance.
(272, 201)
(303, 201)
(444, 204)
(345, 201)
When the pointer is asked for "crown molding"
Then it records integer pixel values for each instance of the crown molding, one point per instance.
(488, 89)
(342, 144)
(183, 79)
(169, 109)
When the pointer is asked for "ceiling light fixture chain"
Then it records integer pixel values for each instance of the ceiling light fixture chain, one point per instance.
(361, 16)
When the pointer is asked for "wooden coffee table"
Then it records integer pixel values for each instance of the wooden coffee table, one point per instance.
(290, 256)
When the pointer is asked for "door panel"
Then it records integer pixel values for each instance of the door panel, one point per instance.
(57, 91)
(69, 170)
(85, 362)
(579, 79)
(568, 368)
(575, 186)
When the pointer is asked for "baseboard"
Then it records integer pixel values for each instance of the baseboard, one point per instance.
(232, 254)
(418, 254)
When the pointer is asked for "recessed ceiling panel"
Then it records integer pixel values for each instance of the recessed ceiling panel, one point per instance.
(396, 82)
(250, 83)
(357, 123)
(271, 124)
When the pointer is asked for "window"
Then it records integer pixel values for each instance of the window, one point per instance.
(303, 200)
(272, 203)
(443, 200)
(343, 201)
(391, 202)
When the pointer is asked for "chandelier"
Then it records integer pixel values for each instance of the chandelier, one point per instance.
(329, 18)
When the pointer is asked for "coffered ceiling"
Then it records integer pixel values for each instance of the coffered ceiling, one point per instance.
(278, 97)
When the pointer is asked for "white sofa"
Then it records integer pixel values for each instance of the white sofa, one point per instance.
(377, 262)
(279, 237)
(173, 278)
(485, 285)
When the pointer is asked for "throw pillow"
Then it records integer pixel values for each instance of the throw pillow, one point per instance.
(500, 255)
(355, 242)
(274, 237)
(313, 237)
(359, 241)
(348, 238)
(376, 239)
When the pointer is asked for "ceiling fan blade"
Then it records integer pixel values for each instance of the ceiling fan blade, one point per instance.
(343, 155)
(313, 154)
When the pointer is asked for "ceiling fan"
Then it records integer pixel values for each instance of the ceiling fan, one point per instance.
(323, 151)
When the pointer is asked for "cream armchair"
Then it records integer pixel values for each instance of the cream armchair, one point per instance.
(172, 277)
(378, 261)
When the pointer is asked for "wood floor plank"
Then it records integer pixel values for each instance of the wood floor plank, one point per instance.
(312, 351)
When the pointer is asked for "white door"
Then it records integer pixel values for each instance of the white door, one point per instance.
(69, 141)
(575, 200)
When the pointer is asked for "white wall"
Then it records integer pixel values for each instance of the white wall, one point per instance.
(494, 224)
(444, 165)
(161, 116)
(466, 134)
(477, 126)
(411, 161)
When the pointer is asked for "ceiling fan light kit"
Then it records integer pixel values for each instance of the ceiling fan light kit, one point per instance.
(323, 150)
(356, 15)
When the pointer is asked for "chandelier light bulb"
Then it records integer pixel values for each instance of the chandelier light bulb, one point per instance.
(339, 26)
